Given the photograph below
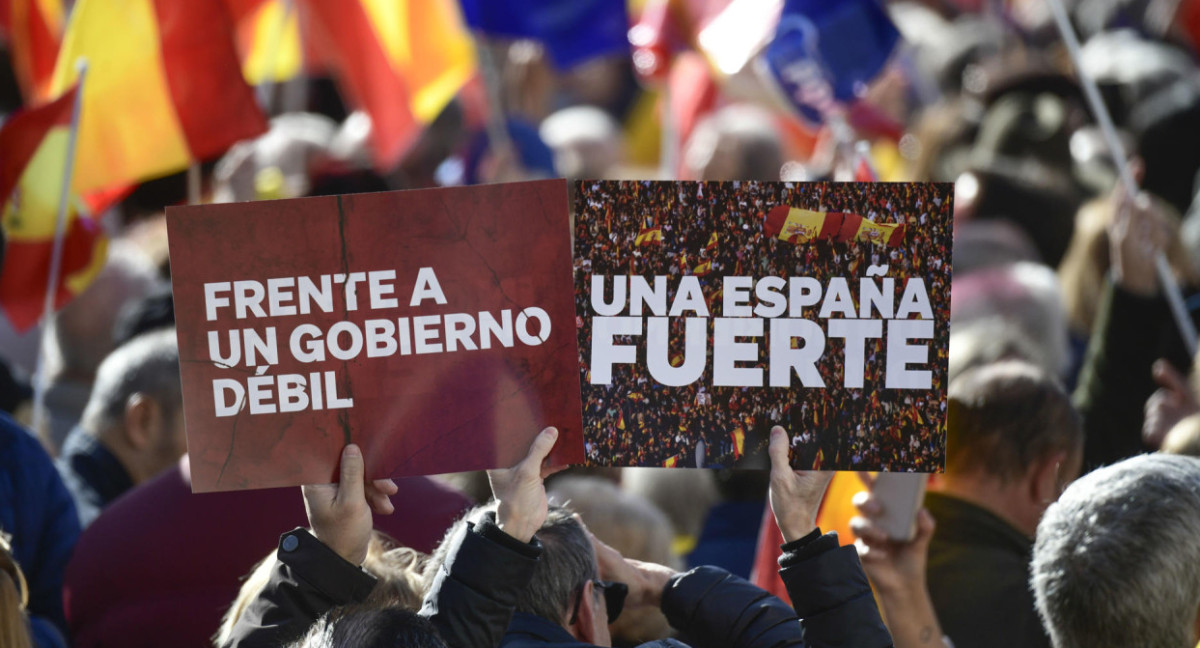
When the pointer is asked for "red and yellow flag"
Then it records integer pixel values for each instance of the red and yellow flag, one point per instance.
(164, 88)
(649, 236)
(739, 442)
(621, 421)
(401, 61)
(857, 228)
(703, 270)
(35, 33)
(31, 178)
(672, 462)
(713, 241)
(800, 225)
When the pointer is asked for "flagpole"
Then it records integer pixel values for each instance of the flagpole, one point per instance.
(41, 380)
(193, 183)
(1187, 328)
(497, 127)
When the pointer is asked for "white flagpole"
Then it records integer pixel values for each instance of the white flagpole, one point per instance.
(41, 380)
(1170, 287)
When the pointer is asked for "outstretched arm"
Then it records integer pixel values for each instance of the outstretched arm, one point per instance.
(474, 592)
(825, 582)
(319, 571)
(897, 570)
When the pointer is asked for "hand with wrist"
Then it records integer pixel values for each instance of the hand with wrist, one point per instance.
(340, 514)
(795, 495)
(519, 491)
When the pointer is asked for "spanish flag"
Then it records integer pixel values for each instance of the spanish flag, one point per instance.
(401, 61)
(649, 236)
(164, 88)
(703, 270)
(621, 421)
(35, 33)
(800, 225)
(672, 462)
(857, 228)
(31, 179)
(739, 442)
(713, 241)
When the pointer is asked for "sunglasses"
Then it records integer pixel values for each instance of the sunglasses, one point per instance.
(614, 599)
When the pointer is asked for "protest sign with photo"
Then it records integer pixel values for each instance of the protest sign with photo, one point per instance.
(433, 328)
(709, 312)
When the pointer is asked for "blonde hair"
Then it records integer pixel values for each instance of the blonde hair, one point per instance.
(397, 567)
(14, 596)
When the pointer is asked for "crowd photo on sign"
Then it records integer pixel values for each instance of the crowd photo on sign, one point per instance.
(1051, 498)
(713, 230)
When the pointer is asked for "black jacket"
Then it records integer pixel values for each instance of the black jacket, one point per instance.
(473, 597)
(470, 602)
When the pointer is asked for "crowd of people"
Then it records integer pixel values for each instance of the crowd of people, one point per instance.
(712, 230)
(1065, 508)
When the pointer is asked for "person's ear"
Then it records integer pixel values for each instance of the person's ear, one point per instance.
(1049, 478)
(141, 420)
(585, 625)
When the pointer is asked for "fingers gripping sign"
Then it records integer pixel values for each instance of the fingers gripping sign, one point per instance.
(795, 494)
(340, 514)
(520, 492)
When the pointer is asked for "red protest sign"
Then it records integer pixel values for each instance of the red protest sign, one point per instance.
(434, 328)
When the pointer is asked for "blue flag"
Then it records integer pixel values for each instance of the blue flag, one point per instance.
(824, 53)
(572, 31)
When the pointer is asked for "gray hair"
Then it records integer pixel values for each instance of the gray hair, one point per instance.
(148, 364)
(1117, 558)
(567, 563)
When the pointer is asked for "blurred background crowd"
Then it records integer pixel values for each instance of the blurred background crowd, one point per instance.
(1064, 353)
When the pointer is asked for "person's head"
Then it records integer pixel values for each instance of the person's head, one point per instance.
(1117, 558)
(1025, 296)
(565, 587)
(397, 568)
(136, 405)
(82, 332)
(1013, 440)
(371, 627)
(634, 527)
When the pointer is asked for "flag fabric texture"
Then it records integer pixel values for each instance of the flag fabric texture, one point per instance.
(671, 462)
(703, 270)
(401, 61)
(31, 177)
(572, 32)
(35, 34)
(713, 241)
(649, 236)
(268, 40)
(804, 226)
(824, 52)
(164, 88)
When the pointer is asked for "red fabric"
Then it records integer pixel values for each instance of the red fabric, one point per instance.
(25, 274)
(161, 566)
(765, 572)
(34, 47)
(214, 105)
(23, 133)
(367, 76)
(849, 227)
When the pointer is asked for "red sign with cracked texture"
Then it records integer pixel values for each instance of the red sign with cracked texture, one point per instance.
(434, 328)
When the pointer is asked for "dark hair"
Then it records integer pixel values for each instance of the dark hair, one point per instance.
(1006, 415)
(365, 627)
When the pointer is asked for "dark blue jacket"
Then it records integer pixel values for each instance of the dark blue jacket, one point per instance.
(38, 511)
